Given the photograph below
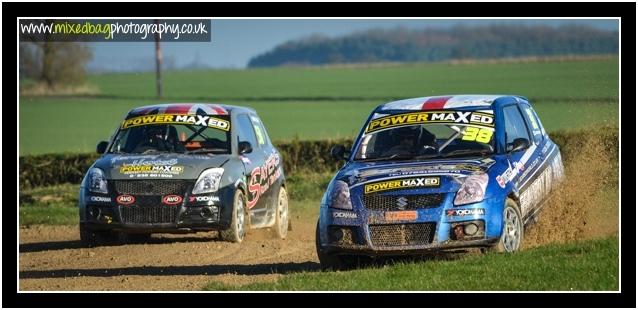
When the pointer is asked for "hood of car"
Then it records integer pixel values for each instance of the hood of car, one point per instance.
(362, 172)
(159, 166)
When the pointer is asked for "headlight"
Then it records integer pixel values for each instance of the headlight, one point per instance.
(97, 181)
(472, 190)
(208, 181)
(339, 196)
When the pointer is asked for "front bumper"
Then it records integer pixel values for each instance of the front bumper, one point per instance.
(150, 213)
(187, 219)
(370, 232)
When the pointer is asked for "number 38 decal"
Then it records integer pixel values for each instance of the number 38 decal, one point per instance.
(477, 134)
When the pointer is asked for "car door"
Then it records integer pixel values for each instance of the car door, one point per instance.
(265, 150)
(524, 162)
(539, 176)
(253, 163)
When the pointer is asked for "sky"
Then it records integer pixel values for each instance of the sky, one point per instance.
(235, 41)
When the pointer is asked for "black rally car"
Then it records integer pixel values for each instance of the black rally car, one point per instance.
(176, 168)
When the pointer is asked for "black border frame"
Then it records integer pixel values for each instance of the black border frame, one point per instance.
(626, 11)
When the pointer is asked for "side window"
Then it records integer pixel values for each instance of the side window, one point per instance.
(537, 128)
(246, 131)
(515, 126)
(262, 137)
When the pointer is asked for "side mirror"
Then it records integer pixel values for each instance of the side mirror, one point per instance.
(244, 147)
(519, 144)
(339, 152)
(101, 147)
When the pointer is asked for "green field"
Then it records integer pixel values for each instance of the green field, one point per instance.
(322, 102)
(582, 266)
(574, 80)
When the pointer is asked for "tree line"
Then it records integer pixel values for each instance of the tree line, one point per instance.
(459, 42)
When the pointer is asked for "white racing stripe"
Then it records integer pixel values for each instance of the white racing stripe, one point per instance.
(538, 167)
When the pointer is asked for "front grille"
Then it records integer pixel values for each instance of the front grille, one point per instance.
(156, 214)
(402, 234)
(148, 207)
(151, 187)
(402, 202)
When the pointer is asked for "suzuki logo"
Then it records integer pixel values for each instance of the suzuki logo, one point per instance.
(402, 202)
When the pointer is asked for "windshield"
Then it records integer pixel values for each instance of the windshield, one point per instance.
(427, 134)
(173, 133)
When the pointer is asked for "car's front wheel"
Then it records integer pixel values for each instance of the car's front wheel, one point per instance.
(512, 235)
(237, 230)
(282, 217)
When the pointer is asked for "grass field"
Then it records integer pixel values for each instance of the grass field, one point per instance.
(320, 103)
(575, 80)
(582, 266)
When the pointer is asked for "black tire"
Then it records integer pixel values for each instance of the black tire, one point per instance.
(330, 261)
(282, 215)
(513, 231)
(237, 230)
(91, 238)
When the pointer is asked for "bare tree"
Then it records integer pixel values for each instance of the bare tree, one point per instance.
(54, 63)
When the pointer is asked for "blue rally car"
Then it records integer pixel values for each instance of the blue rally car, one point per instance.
(438, 173)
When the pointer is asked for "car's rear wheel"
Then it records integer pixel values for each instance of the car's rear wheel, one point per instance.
(237, 230)
(282, 217)
(91, 238)
(512, 235)
(332, 261)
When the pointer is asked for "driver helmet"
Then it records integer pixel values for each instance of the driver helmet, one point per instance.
(411, 133)
(156, 132)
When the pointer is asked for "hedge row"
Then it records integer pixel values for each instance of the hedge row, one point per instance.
(50, 169)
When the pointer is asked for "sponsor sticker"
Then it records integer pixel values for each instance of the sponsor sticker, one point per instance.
(465, 212)
(131, 169)
(402, 183)
(532, 119)
(245, 160)
(125, 199)
(397, 216)
(262, 177)
(144, 168)
(203, 198)
(458, 117)
(423, 169)
(172, 199)
(344, 215)
(100, 199)
(509, 174)
(197, 120)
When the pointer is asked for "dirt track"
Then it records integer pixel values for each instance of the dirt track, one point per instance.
(51, 257)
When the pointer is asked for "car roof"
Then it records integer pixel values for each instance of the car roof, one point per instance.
(445, 102)
(189, 108)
